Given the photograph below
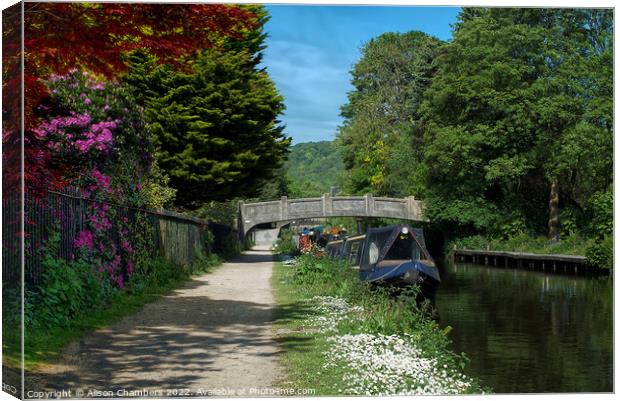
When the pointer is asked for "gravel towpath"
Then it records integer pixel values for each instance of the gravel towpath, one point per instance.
(212, 335)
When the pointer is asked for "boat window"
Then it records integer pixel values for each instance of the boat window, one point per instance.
(334, 249)
(404, 247)
(353, 254)
(379, 238)
(373, 253)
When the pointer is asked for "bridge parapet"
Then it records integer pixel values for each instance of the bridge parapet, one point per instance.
(285, 209)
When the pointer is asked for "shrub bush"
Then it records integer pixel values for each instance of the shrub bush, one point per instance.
(71, 289)
(601, 253)
(285, 244)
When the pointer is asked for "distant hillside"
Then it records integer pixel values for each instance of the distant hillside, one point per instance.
(312, 168)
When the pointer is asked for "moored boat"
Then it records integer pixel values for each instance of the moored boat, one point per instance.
(393, 255)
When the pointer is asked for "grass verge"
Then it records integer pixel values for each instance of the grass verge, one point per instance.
(303, 349)
(43, 346)
(340, 337)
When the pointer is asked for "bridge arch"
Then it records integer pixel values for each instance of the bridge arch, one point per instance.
(253, 214)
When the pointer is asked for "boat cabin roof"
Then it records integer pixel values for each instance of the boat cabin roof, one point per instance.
(356, 237)
(396, 242)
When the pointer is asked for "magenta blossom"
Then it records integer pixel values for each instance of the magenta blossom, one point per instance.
(114, 264)
(58, 125)
(130, 267)
(126, 246)
(102, 180)
(84, 239)
(99, 137)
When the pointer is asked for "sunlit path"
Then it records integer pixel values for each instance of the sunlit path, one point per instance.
(212, 334)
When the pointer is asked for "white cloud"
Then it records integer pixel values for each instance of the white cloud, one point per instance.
(313, 84)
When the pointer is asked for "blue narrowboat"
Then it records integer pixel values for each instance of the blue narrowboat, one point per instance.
(392, 255)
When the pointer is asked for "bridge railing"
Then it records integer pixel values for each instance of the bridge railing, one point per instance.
(286, 209)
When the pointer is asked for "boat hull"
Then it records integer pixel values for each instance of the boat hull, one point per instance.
(405, 274)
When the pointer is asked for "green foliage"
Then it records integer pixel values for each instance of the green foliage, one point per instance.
(214, 125)
(285, 244)
(521, 97)
(156, 184)
(472, 242)
(311, 270)
(602, 206)
(219, 212)
(385, 311)
(380, 137)
(312, 168)
(155, 273)
(513, 228)
(67, 289)
(274, 187)
(224, 239)
(573, 244)
(231, 247)
(601, 253)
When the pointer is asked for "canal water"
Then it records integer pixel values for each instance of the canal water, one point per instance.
(530, 332)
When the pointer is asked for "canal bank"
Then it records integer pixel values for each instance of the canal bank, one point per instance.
(339, 337)
(527, 260)
(529, 331)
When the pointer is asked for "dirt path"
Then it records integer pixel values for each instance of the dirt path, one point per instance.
(214, 334)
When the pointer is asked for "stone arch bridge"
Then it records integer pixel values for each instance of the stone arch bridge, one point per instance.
(253, 214)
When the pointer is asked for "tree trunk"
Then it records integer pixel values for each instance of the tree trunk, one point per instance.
(554, 212)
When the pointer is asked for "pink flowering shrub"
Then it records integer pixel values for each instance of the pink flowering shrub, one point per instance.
(94, 143)
(84, 240)
(98, 141)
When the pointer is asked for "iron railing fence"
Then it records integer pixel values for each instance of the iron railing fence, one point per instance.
(179, 238)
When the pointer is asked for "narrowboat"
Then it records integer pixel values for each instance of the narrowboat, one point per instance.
(393, 255)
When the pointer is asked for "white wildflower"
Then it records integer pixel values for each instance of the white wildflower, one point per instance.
(391, 365)
(331, 311)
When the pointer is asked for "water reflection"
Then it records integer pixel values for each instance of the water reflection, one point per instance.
(528, 331)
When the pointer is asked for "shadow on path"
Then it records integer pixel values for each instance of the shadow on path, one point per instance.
(214, 331)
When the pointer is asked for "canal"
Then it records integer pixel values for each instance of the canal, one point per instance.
(527, 331)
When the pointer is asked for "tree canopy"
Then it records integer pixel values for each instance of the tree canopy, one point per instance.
(506, 128)
(59, 37)
(389, 81)
(215, 126)
(519, 113)
(313, 168)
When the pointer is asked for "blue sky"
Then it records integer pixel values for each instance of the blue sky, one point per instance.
(311, 49)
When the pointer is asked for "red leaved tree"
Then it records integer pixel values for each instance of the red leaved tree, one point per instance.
(63, 36)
